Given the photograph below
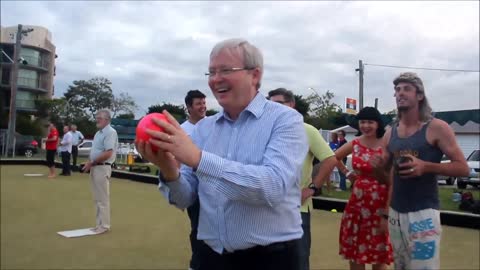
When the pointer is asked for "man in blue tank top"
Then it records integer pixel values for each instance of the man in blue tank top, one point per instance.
(414, 147)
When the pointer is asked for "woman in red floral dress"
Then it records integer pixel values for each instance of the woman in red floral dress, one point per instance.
(364, 235)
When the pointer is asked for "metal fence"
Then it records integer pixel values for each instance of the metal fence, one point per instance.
(3, 143)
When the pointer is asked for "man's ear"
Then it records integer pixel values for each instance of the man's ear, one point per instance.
(257, 75)
(420, 96)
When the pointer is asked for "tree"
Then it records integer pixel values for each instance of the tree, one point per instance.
(393, 113)
(325, 114)
(322, 106)
(302, 105)
(128, 116)
(178, 111)
(91, 95)
(123, 103)
(60, 113)
(55, 110)
(210, 112)
(28, 126)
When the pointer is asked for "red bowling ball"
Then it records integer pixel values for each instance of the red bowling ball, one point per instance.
(147, 123)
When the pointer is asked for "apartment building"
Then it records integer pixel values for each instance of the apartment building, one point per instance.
(36, 73)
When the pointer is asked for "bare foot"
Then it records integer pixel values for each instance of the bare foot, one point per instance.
(52, 176)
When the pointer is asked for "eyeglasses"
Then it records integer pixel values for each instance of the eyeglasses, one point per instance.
(225, 71)
(281, 101)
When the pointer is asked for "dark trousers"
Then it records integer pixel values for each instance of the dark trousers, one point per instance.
(343, 178)
(193, 213)
(305, 243)
(277, 256)
(65, 163)
(343, 181)
(74, 157)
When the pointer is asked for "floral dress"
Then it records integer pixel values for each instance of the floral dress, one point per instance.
(360, 238)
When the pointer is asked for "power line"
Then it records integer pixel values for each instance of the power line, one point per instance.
(423, 68)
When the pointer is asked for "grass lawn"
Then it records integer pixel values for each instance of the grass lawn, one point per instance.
(444, 192)
(146, 232)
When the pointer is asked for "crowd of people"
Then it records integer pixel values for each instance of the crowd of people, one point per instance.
(245, 174)
(67, 148)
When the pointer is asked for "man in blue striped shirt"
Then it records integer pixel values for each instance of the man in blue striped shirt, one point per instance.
(244, 164)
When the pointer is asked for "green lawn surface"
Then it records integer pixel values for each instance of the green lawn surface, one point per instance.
(146, 232)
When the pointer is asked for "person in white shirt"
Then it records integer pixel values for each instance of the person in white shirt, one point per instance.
(196, 106)
(77, 138)
(66, 150)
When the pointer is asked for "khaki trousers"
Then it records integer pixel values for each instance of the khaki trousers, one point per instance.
(100, 180)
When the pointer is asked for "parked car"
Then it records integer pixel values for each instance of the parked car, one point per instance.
(84, 148)
(24, 144)
(473, 179)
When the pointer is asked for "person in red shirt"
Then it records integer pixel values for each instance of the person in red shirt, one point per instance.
(51, 147)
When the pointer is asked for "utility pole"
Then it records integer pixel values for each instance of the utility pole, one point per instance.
(376, 103)
(360, 83)
(13, 90)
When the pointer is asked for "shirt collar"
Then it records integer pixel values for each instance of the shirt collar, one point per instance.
(105, 128)
(255, 107)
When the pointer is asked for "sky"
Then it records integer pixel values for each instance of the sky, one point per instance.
(157, 51)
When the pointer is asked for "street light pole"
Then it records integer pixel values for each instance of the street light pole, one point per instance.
(13, 90)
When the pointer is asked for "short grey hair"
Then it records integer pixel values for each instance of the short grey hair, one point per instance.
(252, 57)
(106, 113)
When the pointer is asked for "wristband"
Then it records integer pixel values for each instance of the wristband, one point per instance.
(348, 173)
(316, 191)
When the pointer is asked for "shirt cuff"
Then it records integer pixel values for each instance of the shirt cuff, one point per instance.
(164, 190)
(211, 165)
(171, 185)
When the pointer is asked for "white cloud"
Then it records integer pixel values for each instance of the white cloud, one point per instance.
(157, 51)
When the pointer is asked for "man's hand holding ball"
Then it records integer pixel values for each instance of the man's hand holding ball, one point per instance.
(161, 140)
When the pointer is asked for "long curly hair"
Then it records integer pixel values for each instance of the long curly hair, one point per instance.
(423, 105)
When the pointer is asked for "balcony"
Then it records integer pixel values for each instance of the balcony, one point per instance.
(40, 63)
(25, 105)
(38, 84)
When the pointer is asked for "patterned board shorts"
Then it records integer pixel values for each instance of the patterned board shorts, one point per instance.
(415, 238)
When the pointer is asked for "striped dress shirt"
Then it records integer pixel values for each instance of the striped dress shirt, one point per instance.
(248, 178)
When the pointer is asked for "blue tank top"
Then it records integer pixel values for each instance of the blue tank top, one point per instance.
(418, 193)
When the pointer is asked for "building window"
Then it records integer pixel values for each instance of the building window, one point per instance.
(26, 99)
(31, 56)
(28, 78)
(8, 49)
(5, 76)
